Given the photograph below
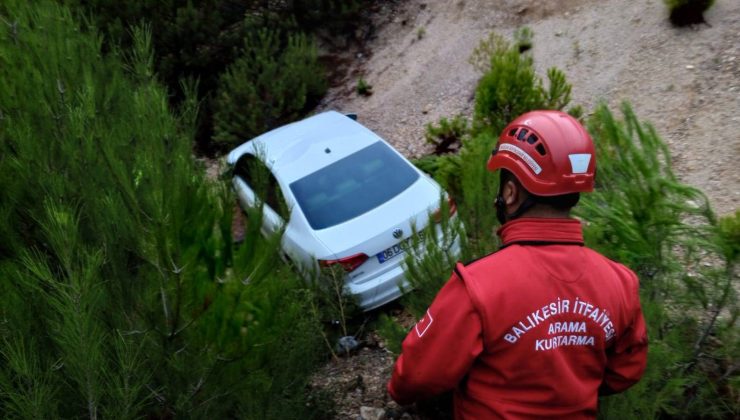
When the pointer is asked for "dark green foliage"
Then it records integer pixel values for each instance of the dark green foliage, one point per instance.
(729, 232)
(687, 12)
(200, 40)
(641, 215)
(332, 19)
(465, 177)
(123, 295)
(445, 169)
(509, 86)
(363, 88)
(269, 85)
(429, 259)
(576, 112)
(479, 188)
(634, 180)
(523, 37)
(392, 332)
(191, 41)
(333, 304)
(506, 91)
(448, 134)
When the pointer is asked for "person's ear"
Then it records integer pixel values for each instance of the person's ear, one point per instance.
(510, 193)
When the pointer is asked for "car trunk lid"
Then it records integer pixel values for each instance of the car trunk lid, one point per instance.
(384, 226)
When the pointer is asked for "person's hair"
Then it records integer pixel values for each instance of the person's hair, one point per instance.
(562, 202)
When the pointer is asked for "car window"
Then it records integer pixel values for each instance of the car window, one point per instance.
(352, 186)
(262, 182)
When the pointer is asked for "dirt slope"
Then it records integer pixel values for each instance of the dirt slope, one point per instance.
(685, 81)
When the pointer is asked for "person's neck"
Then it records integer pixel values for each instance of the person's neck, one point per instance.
(546, 213)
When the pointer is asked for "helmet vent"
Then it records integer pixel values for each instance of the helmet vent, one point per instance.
(540, 149)
(532, 139)
(522, 134)
(512, 132)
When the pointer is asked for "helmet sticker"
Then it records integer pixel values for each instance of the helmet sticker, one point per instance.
(523, 155)
(579, 162)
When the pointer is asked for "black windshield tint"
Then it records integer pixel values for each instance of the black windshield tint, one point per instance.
(352, 186)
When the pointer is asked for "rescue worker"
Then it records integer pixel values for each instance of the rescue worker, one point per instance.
(543, 326)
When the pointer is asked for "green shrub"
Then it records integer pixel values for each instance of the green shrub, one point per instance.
(447, 135)
(123, 295)
(269, 85)
(687, 12)
(392, 332)
(523, 37)
(444, 169)
(191, 41)
(420, 32)
(479, 188)
(332, 18)
(639, 205)
(199, 40)
(465, 177)
(641, 215)
(336, 307)
(428, 260)
(509, 87)
(729, 232)
(363, 88)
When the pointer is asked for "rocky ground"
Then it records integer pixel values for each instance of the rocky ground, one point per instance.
(685, 81)
(357, 383)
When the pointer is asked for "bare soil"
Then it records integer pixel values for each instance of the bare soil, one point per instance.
(684, 81)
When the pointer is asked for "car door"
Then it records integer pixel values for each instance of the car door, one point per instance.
(255, 184)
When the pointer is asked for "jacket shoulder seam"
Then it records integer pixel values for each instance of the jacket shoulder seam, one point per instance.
(473, 294)
(474, 260)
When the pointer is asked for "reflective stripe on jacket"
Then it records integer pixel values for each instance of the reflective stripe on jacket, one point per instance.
(536, 329)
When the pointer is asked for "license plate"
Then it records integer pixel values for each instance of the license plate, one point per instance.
(389, 253)
(397, 249)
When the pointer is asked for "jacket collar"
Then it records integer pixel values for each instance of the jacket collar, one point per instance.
(535, 231)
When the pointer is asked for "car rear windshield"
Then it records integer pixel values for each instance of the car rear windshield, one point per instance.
(352, 186)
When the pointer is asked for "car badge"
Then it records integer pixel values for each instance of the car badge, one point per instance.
(397, 233)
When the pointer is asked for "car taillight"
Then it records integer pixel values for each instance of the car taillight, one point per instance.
(348, 263)
(437, 215)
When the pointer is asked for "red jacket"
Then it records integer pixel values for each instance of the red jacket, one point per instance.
(534, 330)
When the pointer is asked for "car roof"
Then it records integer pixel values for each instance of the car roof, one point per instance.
(300, 148)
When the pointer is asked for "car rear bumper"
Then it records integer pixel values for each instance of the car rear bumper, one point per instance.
(384, 288)
(379, 290)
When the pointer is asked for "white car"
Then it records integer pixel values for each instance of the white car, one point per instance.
(349, 198)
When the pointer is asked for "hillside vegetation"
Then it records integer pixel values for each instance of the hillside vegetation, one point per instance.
(123, 295)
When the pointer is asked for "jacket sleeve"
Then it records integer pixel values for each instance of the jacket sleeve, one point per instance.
(628, 357)
(440, 349)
